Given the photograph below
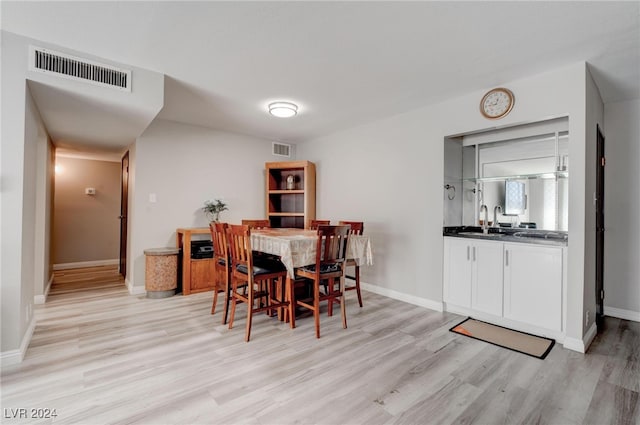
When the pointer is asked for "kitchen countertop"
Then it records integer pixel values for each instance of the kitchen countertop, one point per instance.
(506, 234)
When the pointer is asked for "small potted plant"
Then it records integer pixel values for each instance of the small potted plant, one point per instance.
(213, 209)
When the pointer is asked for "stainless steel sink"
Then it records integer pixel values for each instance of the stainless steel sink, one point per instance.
(541, 235)
(489, 235)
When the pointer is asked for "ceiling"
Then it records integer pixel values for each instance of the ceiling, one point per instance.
(343, 63)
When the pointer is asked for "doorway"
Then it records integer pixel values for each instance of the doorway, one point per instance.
(601, 162)
(124, 208)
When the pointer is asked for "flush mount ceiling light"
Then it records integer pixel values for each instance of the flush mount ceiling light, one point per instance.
(283, 109)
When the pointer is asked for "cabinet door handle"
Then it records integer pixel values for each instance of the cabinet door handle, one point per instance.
(506, 258)
(468, 252)
(474, 253)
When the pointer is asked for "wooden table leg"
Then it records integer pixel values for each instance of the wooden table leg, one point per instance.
(291, 296)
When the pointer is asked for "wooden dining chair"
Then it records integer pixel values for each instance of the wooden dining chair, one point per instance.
(357, 227)
(331, 251)
(221, 266)
(259, 224)
(313, 224)
(260, 281)
(256, 224)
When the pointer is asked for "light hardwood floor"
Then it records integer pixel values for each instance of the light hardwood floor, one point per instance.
(102, 356)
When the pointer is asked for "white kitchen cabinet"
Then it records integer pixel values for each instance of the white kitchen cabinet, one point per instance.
(533, 285)
(487, 280)
(474, 274)
(457, 271)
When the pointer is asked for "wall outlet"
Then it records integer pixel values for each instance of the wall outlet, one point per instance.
(586, 318)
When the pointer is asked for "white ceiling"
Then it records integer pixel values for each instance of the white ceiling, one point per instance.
(343, 63)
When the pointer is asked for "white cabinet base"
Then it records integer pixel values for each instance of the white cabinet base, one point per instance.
(516, 285)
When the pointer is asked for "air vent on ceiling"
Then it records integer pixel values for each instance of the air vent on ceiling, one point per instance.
(67, 66)
(281, 149)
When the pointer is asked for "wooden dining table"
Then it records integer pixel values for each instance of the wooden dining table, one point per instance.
(297, 247)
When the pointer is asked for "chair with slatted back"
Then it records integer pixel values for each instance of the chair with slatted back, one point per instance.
(331, 251)
(256, 224)
(259, 224)
(245, 272)
(222, 266)
(357, 227)
(313, 224)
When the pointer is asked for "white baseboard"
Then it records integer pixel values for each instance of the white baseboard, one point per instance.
(591, 334)
(134, 290)
(83, 264)
(581, 345)
(16, 356)
(622, 314)
(41, 299)
(573, 344)
(400, 296)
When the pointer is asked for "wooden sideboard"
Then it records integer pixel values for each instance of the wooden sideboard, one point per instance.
(197, 274)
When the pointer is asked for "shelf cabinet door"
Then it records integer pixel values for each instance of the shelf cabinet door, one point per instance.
(457, 271)
(487, 280)
(533, 285)
(202, 275)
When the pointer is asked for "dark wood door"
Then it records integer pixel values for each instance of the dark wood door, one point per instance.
(600, 229)
(124, 208)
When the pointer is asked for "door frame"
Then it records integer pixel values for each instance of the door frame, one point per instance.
(600, 164)
(124, 213)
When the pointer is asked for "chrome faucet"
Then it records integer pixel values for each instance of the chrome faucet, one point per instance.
(485, 222)
(495, 215)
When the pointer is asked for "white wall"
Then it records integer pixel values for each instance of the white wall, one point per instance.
(622, 203)
(19, 135)
(184, 166)
(389, 174)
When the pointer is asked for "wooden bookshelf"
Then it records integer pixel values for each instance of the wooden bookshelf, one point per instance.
(291, 203)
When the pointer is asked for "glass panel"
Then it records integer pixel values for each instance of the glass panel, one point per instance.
(515, 198)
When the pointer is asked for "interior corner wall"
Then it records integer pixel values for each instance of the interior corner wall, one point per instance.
(32, 129)
(452, 197)
(45, 176)
(182, 166)
(18, 163)
(594, 118)
(622, 203)
(86, 228)
(396, 184)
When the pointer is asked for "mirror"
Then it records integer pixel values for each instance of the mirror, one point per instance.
(527, 177)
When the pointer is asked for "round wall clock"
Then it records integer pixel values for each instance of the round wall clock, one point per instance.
(497, 103)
